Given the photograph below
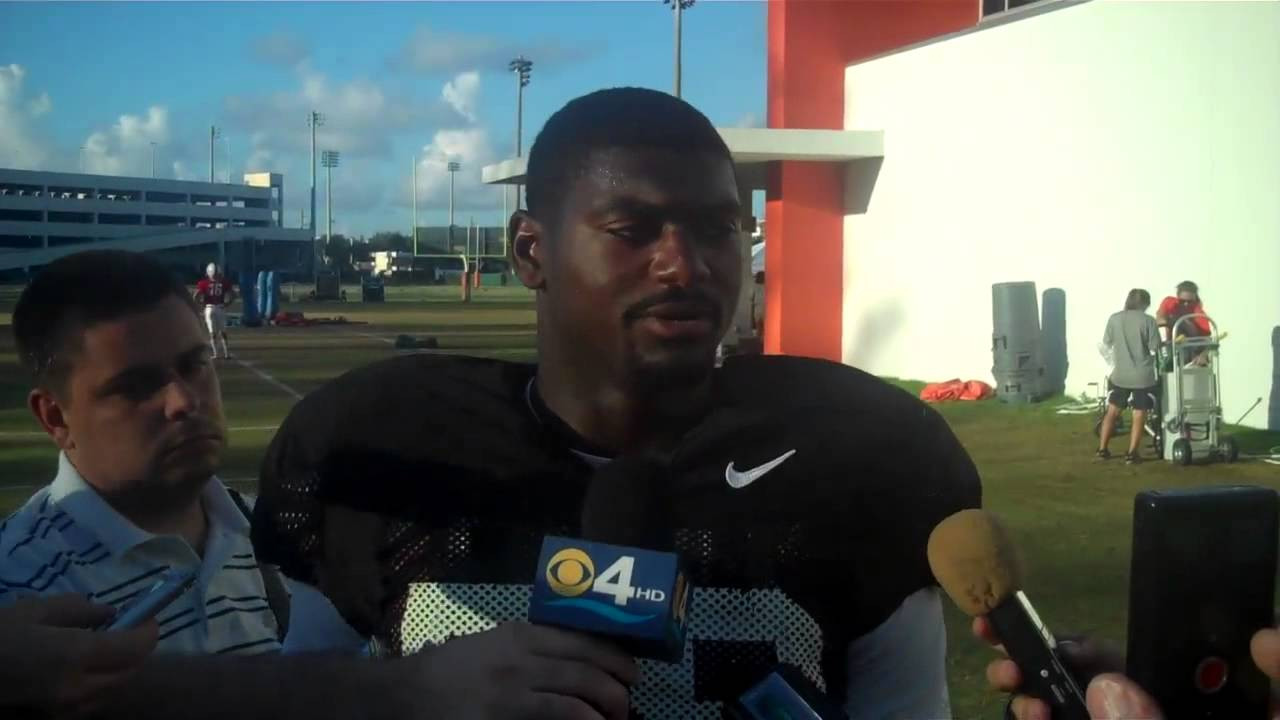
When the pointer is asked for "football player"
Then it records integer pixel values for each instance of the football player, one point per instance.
(414, 493)
(215, 293)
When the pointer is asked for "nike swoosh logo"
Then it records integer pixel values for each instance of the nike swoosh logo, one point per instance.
(739, 480)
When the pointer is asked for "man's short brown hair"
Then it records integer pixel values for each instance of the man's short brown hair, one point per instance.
(76, 292)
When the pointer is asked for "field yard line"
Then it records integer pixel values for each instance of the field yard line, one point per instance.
(387, 337)
(267, 376)
(386, 340)
(37, 433)
(454, 331)
(35, 487)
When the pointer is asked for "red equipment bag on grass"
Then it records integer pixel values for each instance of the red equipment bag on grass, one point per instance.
(956, 390)
(297, 319)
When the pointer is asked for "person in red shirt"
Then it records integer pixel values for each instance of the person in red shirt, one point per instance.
(1186, 302)
(215, 292)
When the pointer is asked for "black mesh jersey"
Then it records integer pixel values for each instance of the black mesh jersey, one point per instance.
(791, 567)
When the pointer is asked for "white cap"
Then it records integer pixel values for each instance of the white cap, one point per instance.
(212, 269)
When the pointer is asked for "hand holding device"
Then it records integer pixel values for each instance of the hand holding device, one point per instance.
(784, 694)
(169, 588)
(974, 560)
(53, 664)
(1202, 584)
(519, 671)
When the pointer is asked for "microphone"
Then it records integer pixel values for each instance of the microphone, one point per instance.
(622, 580)
(974, 561)
(784, 694)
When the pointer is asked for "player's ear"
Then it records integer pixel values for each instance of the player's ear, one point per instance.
(527, 249)
(48, 411)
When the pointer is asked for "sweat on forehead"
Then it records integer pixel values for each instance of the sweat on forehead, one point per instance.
(623, 118)
(653, 170)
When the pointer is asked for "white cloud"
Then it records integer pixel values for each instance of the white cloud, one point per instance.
(182, 172)
(430, 51)
(359, 116)
(462, 92)
(362, 120)
(280, 48)
(269, 133)
(749, 120)
(20, 145)
(40, 105)
(261, 157)
(11, 77)
(125, 147)
(472, 148)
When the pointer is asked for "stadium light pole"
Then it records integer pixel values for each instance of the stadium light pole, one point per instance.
(415, 205)
(82, 149)
(153, 160)
(314, 120)
(330, 161)
(679, 6)
(453, 170)
(226, 140)
(523, 68)
(214, 134)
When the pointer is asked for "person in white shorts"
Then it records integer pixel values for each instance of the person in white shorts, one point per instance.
(215, 292)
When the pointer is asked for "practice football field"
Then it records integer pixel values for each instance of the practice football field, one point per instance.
(1070, 515)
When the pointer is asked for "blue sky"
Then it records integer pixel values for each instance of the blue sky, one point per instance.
(393, 79)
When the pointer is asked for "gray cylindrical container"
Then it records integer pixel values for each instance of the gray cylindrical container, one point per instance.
(1015, 316)
(1053, 340)
(1021, 388)
(1018, 362)
(1273, 412)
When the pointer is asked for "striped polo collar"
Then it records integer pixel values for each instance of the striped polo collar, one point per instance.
(118, 534)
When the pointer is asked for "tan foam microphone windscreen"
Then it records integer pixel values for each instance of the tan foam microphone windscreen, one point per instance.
(974, 561)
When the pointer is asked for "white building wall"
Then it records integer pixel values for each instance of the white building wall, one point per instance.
(1094, 148)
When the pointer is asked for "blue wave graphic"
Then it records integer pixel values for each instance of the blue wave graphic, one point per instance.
(606, 611)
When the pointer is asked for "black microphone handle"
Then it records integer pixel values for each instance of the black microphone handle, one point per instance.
(1030, 644)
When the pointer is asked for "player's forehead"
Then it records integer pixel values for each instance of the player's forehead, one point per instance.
(616, 178)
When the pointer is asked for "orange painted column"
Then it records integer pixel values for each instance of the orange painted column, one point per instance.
(811, 42)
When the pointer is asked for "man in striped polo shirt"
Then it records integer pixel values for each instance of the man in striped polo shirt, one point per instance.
(125, 388)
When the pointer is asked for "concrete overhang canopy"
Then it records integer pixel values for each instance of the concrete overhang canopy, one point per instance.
(507, 172)
(752, 146)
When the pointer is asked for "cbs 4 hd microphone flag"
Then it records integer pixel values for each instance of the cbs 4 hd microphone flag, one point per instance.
(635, 597)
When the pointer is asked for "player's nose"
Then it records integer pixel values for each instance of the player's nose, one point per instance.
(677, 259)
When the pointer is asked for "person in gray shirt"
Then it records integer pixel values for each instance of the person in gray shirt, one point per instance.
(1131, 337)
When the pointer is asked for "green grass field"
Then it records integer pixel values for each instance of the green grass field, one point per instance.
(1070, 515)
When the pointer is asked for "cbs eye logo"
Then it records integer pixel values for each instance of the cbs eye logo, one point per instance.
(570, 572)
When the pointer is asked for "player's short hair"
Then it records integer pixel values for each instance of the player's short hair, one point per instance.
(627, 117)
(1138, 299)
(1188, 286)
(76, 292)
